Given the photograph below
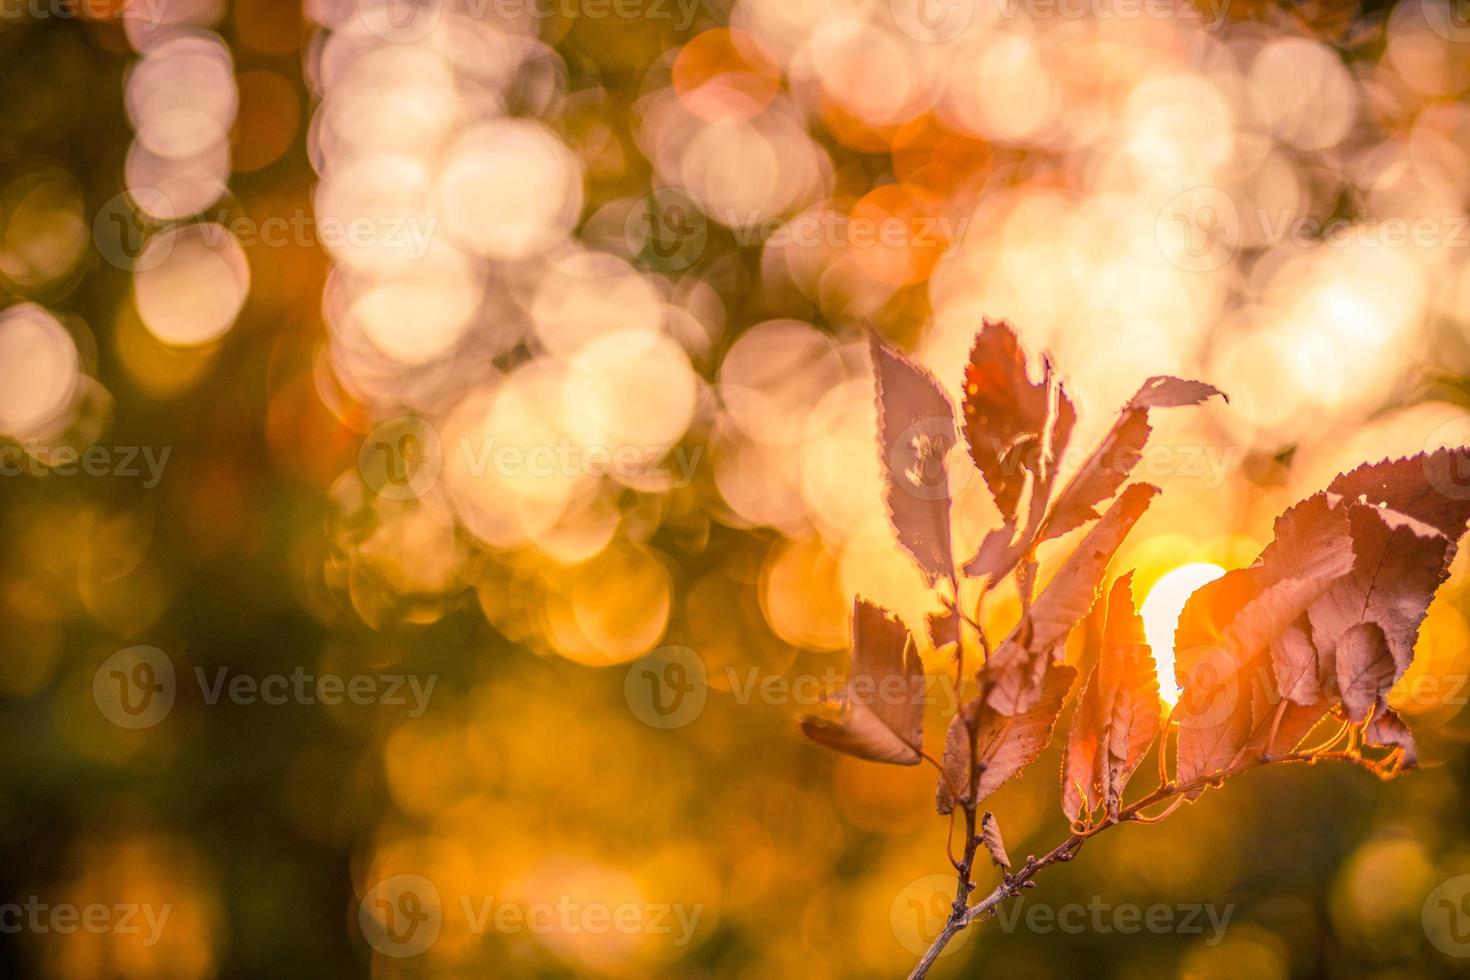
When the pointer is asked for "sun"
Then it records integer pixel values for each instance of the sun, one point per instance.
(1161, 611)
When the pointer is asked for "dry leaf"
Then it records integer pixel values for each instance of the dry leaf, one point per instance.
(1012, 677)
(1006, 744)
(1005, 414)
(957, 764)
(882, 702)
(992, 841)
(943, 627)
(1397, 572)
(1108, 466)
(1230, 701)
(1364, 669)
(1117, 714)
(1433, 488)
(915, 435)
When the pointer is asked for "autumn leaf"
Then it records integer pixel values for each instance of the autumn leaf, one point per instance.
(1400, 565)
(994, 845)
(1387, 730)
(943, 627)
(882, 703)
(1004, 744)
(956, 766)
(1004, 412)
(1433, 488)
(1117, 714)
(1230, 629)
(915, 434)
(1012, 678)
(1364, 669)
(1113, 459)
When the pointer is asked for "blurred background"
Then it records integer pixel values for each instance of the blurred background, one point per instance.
(437, 460)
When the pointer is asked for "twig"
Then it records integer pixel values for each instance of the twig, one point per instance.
(1012, 884)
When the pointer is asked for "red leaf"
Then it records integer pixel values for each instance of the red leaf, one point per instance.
(1430, 487)
(956, 765)
(1117, 715)
(1229, 701)
(1006, 744)
(1299, 670)
(1397, 571)
(1004, 413)
(1108, 466)
(998, 553)
(1387, 730)
(1166, 391)
(1012, 678)
(944, 628)
(882, 703)
(1364, 669)
(915, 435)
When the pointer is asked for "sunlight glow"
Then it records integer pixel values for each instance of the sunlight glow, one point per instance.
(1160, 612)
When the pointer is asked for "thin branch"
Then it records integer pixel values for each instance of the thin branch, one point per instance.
(1013, 884)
